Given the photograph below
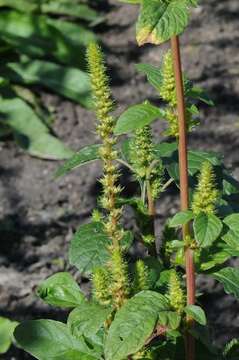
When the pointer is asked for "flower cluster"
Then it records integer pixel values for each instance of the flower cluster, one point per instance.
(176, 294)
(206, 194)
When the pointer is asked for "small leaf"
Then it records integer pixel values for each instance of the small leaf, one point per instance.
(207, 228)
(197, 313)
(81, 157)
(89, 247)
(61, 290)
(165, 149)
(48, 339)
(153, 73)
(181, 218)
(136, 117)
(159, 20)
(6, 333)
(133, 324)
(87, 319)
(229, 277)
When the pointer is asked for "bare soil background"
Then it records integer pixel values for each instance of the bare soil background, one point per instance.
(38, 215)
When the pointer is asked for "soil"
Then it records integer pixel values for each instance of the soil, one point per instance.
(38, 214)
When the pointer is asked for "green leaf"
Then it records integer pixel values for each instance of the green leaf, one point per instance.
(153, 73)
(133, 324)
(30, 132)
(61, 290)
(231, 350)
(31, 35)
(159, 20)
(198, 93)
(87, 319)
(136, 117)
(81, 157)
(165, 149)
(207, 228)
(69, 82)
(197, 157)
(48, 339)
(89, 247)
(80, 11)
(181, 218)
(197, 313)
(6, 333)
(20, 5)
(229, 277)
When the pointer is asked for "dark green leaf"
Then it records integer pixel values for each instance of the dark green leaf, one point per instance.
(61, 290)
(229, 277)
(69, 82)
(133, 324)
(165, 149)
(207, 228)
(197, 313)
(181, 218)
(198, 93)
(136, 117)
(87, 319)
(159, 20)
(30, 132)
(82, 157)
(6, 333)
(48, 339)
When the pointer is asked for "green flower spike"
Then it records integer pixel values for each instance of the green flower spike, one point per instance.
(206, 195)
(176, 294)
(141, 277)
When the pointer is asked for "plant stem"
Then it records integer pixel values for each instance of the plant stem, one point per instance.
(183, 170)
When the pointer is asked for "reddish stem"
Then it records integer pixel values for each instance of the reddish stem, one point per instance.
(183, 171)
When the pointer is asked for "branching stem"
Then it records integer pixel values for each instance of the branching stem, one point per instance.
(183, 170)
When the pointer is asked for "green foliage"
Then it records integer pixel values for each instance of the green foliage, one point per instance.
(197, 313)
(60, 290)
(137, 307)
(229, 277)
(6, 333)
(38, 47)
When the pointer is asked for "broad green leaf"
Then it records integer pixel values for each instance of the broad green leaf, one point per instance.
(197, 313)
(159, 20)
(207, 228)
(31, 35)
(198, 93)
(51, 340)
(197, 157)
(229, 277)
(87, 319)
(77, 35)
(30, 132)
(69, 82)
(6, 333)
(231, 350)
(133, 324)
(232, 221)
(81, 157)
(21, 5)
(89, 247)
(61, 290)
(81, 11)
(181, 218)
(136, 117)
(153, 74)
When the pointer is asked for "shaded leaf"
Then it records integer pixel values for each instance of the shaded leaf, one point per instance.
(69, 82)
(229, 277)
(30, 132)
(153, 74)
